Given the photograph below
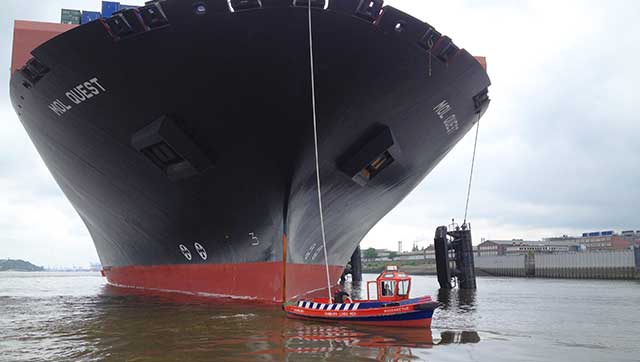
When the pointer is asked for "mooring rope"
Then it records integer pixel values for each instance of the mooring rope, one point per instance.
(473, 161)
(315, 142)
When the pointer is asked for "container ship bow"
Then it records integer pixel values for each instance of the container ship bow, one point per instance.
(182, 132)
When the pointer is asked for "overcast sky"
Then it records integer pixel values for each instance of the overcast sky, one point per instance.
(558, 153)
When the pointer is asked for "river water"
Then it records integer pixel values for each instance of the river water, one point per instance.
(77, 317)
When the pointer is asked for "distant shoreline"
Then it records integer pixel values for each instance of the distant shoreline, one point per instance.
(18, 265)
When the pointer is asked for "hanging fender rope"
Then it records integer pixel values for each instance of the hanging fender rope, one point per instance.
(315, 143)
(473, 161)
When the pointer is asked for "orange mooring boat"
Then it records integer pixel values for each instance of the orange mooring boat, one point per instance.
(392, 307)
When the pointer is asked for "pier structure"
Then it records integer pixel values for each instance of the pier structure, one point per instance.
(636, 253)
(356, 265)
(454, 257)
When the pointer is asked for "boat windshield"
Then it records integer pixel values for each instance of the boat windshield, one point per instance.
(388, 286)
(403, 287)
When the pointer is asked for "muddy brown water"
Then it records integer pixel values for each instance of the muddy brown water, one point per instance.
(77, 317)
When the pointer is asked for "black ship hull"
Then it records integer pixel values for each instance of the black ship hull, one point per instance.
(187, 147)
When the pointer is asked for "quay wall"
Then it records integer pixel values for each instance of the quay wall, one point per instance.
(586, 265)
(508, 266)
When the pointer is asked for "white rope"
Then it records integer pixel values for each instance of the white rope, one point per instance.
(473, 161)
(315, 140)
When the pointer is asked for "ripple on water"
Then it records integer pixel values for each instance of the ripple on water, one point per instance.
(522, 319)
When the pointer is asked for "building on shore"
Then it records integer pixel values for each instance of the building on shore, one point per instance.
(520, 246)
(385, 255)
(430, 253)
(602, 240)
(631, 234)
(590, 241)
(411, 255)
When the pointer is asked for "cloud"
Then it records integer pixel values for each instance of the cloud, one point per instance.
(36, 220)
(38, 223)
(558, 149)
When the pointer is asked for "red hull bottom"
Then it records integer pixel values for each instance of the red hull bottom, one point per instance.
(258, 281)
(418, 323)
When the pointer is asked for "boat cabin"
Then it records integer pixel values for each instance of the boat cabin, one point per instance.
(391, 285)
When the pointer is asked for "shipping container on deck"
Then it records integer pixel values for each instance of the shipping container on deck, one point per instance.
(69, 16)
(109, 7)
(89, 16)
